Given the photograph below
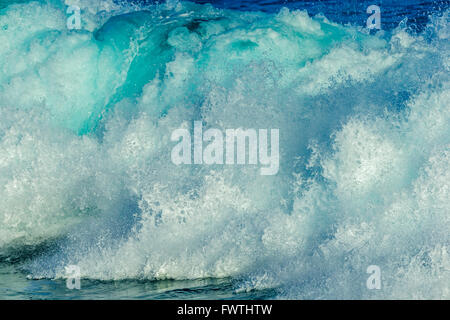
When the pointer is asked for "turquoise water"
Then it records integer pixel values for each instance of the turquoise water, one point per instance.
(86, 176)
(13, 285)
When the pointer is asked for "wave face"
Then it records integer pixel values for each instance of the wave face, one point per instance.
(86, 118)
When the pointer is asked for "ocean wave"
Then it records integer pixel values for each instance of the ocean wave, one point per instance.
(86, 118)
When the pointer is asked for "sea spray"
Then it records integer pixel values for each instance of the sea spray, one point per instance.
(86, 118)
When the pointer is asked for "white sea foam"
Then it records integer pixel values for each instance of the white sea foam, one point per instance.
(87, 116)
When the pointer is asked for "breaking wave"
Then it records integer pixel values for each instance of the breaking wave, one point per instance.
(85, 123)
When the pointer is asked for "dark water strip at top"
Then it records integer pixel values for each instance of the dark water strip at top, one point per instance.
(393, 12)
(347, 11)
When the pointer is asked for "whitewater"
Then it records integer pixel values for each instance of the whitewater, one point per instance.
(86, 176)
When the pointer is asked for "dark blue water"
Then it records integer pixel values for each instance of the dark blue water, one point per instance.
(393, 12)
